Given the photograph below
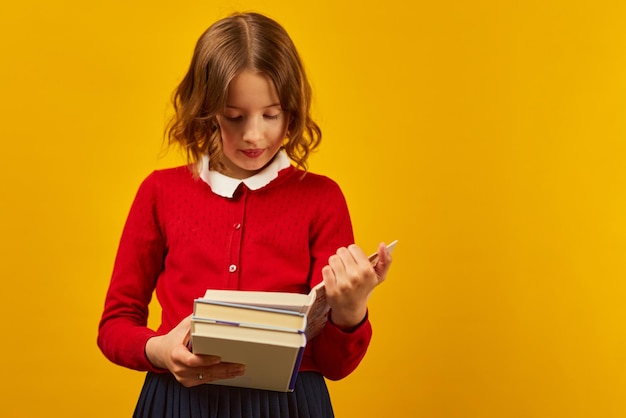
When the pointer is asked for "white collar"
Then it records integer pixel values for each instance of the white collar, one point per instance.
(225, 186)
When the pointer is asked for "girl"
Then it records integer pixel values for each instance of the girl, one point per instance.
(238, 216)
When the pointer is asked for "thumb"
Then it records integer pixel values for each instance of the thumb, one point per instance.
(182, 331)
(383, 263)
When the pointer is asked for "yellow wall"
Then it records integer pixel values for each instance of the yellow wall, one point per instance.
(488, 137)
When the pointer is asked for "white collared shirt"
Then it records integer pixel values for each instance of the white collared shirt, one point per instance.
(225, 186)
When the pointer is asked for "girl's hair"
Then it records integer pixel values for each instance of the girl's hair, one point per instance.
(242, 41)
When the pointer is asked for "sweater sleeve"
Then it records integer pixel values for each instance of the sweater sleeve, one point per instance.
(347, 349)
(123, 330)
(335, 353)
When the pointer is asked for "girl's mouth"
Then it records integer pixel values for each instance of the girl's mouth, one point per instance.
(252, 153)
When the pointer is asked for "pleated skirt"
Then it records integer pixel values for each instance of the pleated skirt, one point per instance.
(163, 397)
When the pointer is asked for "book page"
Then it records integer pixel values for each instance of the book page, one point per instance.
(318, 313)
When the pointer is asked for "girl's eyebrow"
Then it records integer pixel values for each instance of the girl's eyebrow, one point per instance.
(266, 107)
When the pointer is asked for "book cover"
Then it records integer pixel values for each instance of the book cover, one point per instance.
(271, 357)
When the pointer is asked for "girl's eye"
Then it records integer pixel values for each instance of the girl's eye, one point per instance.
(240, 118)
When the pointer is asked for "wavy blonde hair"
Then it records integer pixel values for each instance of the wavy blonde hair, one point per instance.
(242, 41)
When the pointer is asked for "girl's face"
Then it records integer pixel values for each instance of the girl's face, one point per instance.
(253, 125)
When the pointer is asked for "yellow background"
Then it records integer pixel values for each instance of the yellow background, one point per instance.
(487, 136)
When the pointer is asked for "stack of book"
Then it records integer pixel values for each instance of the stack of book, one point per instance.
(265, 331)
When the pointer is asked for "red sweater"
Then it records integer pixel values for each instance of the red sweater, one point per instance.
(180, 238)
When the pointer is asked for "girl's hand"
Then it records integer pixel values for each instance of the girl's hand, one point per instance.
(349, 279)
(170, 352)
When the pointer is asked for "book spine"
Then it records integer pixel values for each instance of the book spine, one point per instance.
(296, 369)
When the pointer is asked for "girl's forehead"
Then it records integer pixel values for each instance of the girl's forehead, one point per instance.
(252, 88)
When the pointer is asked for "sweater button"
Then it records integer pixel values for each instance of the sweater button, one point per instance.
(237, 225)
(232, 268)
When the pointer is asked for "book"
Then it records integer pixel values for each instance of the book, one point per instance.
(311, 306)
(265, 331)
(271, 357)
(248, 315)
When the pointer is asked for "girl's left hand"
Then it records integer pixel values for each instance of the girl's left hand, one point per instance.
(349, 279)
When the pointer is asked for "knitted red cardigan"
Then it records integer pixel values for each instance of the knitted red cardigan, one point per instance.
(180, 238)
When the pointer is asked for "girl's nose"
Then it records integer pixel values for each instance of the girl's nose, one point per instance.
(252, 132)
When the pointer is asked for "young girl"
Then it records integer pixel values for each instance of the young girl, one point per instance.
(238, 216)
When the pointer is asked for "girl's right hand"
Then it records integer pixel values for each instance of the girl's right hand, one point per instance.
(170, 352)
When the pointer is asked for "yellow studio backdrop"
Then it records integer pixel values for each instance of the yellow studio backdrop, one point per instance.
(488, 137)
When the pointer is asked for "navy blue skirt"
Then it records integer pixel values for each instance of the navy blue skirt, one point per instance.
(163, 397)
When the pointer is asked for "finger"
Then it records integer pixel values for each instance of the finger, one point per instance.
(220, 371)
(360, 266)
(337, 263)
(208, 360)
(357, 254)
(330, 280)
(200, 360)
(186, 359)
(383, 263)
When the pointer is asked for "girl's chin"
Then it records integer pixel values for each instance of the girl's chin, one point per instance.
(255, 164)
